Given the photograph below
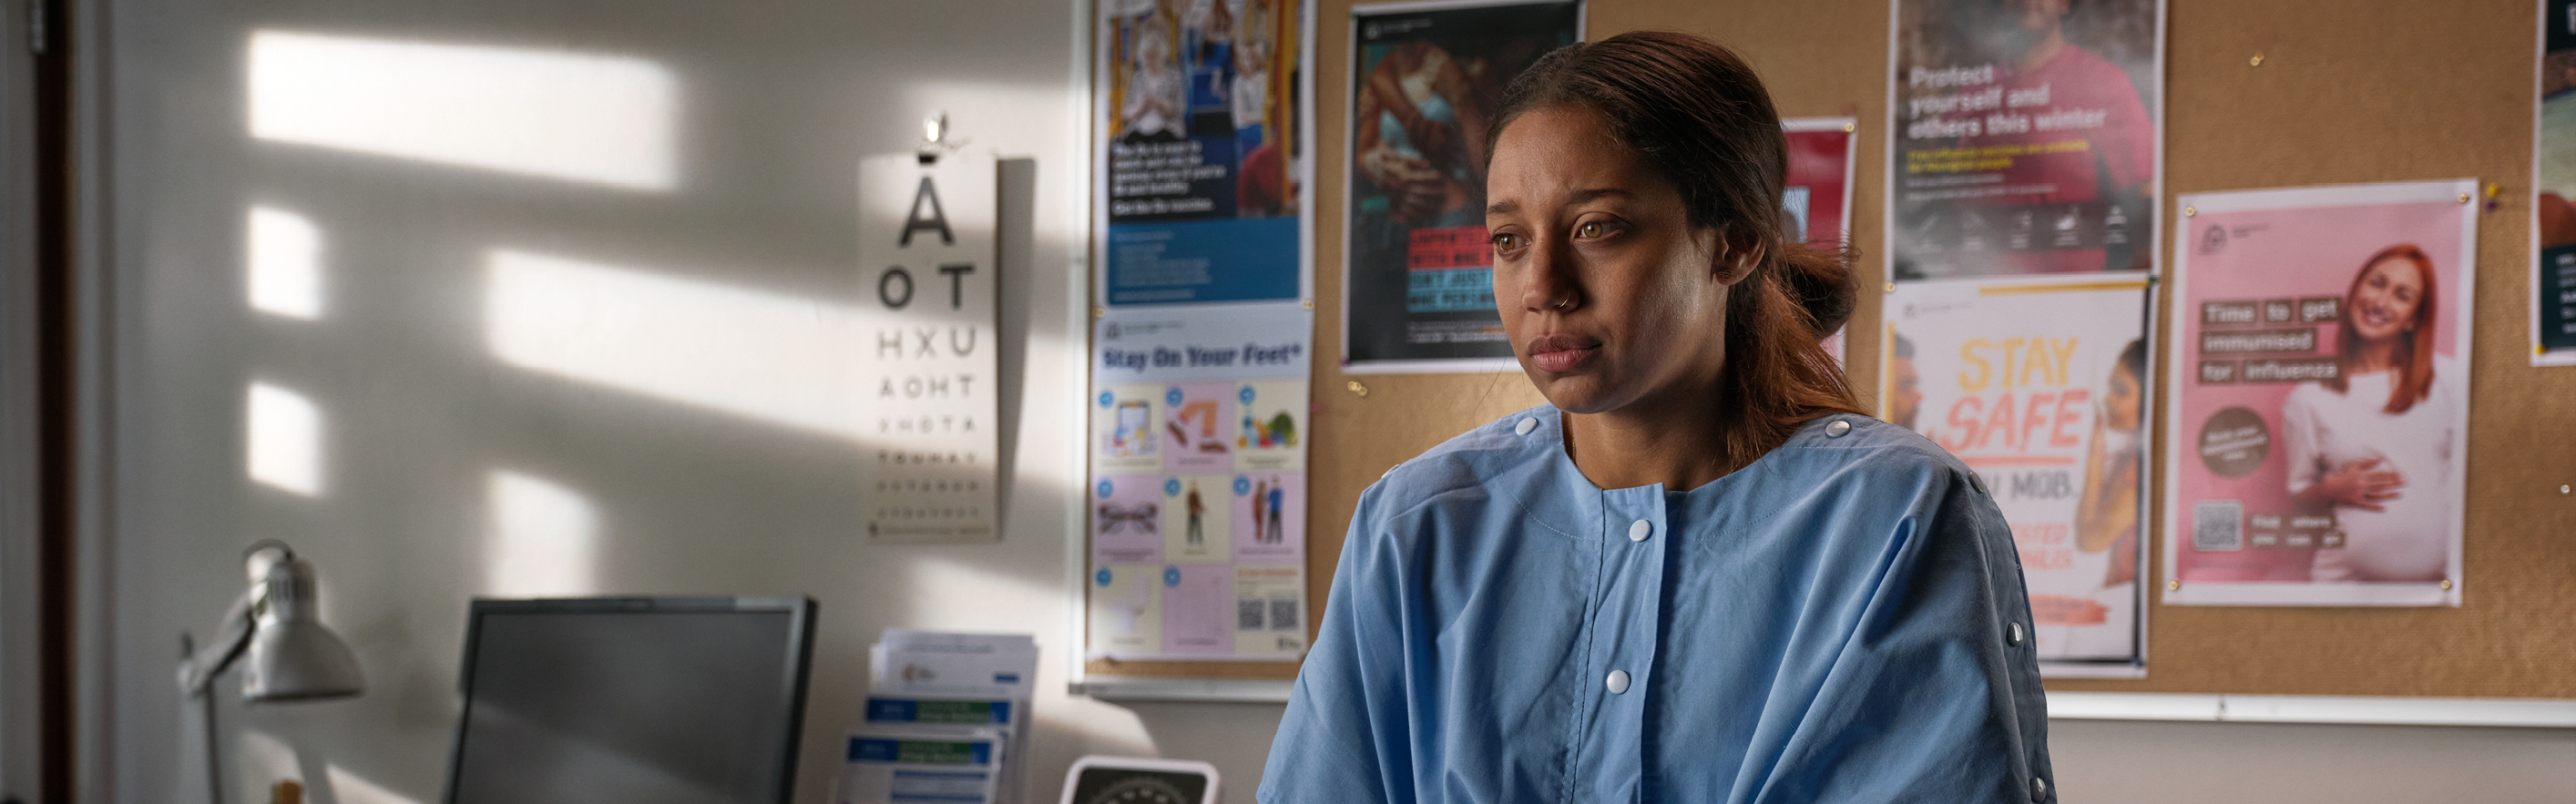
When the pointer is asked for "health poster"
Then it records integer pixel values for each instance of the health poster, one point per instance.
(2025, 137)
(1818, 192)
(2039, 385)
(1417, 281)
(2553, 225)
(2316, 428)
(1199, 415)
(1202, 153)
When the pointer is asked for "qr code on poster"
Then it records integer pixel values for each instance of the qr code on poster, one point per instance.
(1247, 614)
(2218, 525)
(1283, 613)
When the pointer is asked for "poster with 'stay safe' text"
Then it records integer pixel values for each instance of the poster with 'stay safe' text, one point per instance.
(2026, 136)
(928, 263)
(2040, 386)
(2317, 414)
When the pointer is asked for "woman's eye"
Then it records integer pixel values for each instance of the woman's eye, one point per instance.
(1594, 230)
(1506, 241)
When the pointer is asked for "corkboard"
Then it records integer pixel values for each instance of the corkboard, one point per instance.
(2375, 90)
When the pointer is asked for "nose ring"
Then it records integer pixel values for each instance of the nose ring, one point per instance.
(1561, 304)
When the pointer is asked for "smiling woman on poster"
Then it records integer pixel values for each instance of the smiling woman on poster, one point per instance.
(1697, 574)
(2373, 445)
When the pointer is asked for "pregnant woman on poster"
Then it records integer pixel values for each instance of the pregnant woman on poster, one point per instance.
(2373, 445)
(1698, 574)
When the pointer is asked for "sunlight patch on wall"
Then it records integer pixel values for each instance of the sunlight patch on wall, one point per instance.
(585, 118)
(285, 439)
(540, 540)
(284, 264)
(351, 788)
(776, 358)
(260, 759)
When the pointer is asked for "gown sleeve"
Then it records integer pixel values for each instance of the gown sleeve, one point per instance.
(1934, 695)
(1348, 733)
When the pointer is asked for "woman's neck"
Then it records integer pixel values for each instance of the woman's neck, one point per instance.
(1680, 443)
(2375, 356)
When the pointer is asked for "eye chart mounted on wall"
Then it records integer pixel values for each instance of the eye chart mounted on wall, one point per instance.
(927, 256)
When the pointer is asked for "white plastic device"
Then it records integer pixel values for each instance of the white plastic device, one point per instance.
(1132, 780)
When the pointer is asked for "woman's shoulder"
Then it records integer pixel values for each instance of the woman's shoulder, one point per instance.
(1864, 448)
(1523, 442)
(1861, 472)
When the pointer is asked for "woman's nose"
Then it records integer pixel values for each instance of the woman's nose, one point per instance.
(1549, 285)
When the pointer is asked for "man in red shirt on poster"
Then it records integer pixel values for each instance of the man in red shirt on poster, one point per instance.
(2075, 196)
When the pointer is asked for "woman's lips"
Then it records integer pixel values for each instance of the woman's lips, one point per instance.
(1559, 353)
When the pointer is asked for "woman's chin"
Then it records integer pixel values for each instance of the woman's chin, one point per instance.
(1576, 393)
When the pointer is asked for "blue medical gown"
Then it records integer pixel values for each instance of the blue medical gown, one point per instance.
(1841, 621)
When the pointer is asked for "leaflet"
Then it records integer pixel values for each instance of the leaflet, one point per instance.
(894, 766)
(923, 663)
(962, 717)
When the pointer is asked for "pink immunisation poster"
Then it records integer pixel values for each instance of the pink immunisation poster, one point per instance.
(2316, 414)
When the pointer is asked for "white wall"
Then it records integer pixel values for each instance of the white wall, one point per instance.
(770, 106)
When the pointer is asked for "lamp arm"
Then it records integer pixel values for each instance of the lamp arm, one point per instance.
(197, 673)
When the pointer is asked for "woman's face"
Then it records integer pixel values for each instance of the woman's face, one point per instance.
(2384, 302)
(1610, 296)
(1151, 52)
(2120, 401)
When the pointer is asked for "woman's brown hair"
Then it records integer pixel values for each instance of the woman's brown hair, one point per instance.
(1697, 114)
(2412, 355)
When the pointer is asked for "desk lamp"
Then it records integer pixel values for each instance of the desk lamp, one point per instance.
(292, 657)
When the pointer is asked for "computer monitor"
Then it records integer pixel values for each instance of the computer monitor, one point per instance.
(670, 700)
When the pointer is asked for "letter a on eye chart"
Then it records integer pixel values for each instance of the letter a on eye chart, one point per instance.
(927, 279)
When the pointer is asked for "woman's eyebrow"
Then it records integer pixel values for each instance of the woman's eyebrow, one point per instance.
(1571, 198)
(1580, 196)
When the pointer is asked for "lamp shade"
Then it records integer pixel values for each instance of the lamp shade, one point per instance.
(292, 656)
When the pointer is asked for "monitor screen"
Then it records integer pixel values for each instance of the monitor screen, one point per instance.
(632, 701)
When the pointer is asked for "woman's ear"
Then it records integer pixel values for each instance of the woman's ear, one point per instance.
(1738, 252)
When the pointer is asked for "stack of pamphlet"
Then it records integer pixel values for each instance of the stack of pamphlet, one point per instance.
(947, 721)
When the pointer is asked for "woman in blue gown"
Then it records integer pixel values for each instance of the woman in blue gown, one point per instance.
(1698, 574)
